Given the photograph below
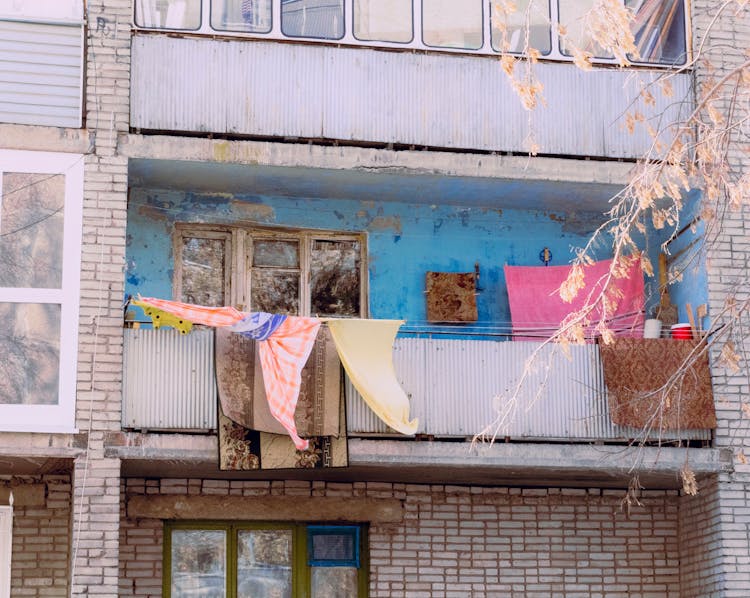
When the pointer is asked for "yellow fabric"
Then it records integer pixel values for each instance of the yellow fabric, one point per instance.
(162, 318)
(366, 350)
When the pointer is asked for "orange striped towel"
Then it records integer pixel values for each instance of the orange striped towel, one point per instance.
(282, 357)
(197, 314)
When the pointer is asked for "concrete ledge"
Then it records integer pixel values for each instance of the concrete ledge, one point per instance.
(48, 139)
(303, 155)
(266, 508)
(514, 464)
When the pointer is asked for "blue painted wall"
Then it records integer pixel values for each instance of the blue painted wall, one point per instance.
(404, 242)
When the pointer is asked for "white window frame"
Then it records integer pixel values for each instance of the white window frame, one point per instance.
(6, 548)
(417, 43)
(59, 417)
(239, 259)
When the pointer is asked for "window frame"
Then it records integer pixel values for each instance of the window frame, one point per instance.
(301, 570)
(60, 417)
(6, 548)
(240, 257)
(349, 39)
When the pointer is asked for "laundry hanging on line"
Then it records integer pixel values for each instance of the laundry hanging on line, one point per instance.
(365, 348)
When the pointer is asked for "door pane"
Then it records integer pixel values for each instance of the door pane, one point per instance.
(451, 24)
(321, 19)
(276, 254)
(515, 27)
(31, 230)
(264, 564)
(334, 582)
(30, 350)
(251, 16)
(274, 292)
(383, 20)
(203, 271)
(334, 278)
(198, 563)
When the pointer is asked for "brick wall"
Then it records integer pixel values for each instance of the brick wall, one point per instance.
(467, 541)
(41, 537)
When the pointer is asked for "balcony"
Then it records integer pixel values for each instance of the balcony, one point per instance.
(452, 384)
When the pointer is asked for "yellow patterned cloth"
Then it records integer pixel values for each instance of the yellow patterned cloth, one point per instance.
(163, 318)
(366, 350)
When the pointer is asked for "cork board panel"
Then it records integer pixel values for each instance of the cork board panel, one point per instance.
(451, 297)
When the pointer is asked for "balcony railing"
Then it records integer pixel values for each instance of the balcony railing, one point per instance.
(455, 388)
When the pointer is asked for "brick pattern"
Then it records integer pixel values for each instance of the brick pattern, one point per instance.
(41, 539)
(466, 541)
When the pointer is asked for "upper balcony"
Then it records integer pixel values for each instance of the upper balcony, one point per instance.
(415, 75)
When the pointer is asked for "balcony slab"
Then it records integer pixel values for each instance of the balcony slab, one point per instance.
(436, 462)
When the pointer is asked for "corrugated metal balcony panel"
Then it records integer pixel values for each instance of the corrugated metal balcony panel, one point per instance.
(361, 94)
(40, 73)
(169, 381)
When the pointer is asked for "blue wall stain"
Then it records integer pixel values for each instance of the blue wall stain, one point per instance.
(404, 242)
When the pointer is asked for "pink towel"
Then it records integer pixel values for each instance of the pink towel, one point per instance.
(537, 310)
(282, 357)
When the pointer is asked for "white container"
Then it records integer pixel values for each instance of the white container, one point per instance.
(652, 329)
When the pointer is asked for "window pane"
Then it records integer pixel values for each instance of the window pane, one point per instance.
(383, 20)
(451, 24)
(274, 292)
(659, 30)
(322, 19)
(276, 254)
(168, 14)
(203, 268)
(334, 582)
(334, 278)
(251, 16)
(30, 350)
(198, 563)
(573, 19)
(31, 230)
(264, 563)
(509, 29)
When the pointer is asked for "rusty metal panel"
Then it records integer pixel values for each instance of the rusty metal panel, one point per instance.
(169, 381)
(41, 67)
(361, 94)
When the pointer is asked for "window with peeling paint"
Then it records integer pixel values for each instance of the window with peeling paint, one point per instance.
(297, 272)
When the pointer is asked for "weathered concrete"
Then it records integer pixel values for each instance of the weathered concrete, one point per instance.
(581, 465)
(358, 159)
(48, 139)
(266, 508)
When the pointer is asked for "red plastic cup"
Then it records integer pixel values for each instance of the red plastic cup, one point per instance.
(682, 332)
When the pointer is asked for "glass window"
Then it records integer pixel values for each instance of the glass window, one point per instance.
(659, 30)
(41, 197)
(264, 563)
(334, 278)
(450, 24)
(261, 561)
(63, 10)
(204, 270)
(383, 20)
(249, 16)
(297, 273)
(198, 563)
(573, 20)
(320, 19)
(509, 27)
(168, 14)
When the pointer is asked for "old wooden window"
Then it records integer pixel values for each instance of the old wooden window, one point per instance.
(41, 197)
(297, 272)
(244, 560)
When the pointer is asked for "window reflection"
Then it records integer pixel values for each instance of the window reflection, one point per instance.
(249, 16)
(450, 24)
(383, 20)
(168, 14)
(321, 19)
